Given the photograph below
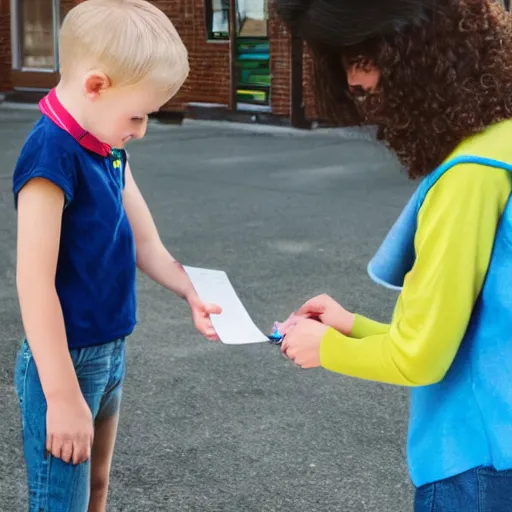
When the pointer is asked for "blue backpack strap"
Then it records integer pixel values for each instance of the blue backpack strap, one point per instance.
(432, 178)
(396, 255)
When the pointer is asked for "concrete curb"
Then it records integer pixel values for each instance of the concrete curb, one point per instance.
(345, 133)
(349, 133)
(7, 105)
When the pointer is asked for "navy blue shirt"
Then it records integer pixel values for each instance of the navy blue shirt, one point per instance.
(96, 269)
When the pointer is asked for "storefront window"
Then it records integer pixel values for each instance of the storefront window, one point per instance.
(252, 16)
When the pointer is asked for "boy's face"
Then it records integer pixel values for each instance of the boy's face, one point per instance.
(116, 115)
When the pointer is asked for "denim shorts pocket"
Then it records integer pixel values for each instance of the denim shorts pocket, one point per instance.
(77, 355)
(494, 490)
(493, 473)
(23, 360)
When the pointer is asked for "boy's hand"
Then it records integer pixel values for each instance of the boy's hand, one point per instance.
(329, 312)
(302, 342)
(69, 429)
(201, 315)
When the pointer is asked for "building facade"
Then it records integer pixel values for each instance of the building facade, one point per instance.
(259, 71)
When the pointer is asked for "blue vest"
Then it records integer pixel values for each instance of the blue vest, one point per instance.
(465, 421)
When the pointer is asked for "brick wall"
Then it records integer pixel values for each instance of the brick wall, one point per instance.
(279, 65)
(307, 78)
(5, 46)
(66, 6)
(208, 81)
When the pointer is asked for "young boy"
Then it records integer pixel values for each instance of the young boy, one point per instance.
(83, 228)
(435, 78)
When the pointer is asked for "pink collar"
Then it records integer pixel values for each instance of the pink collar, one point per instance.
(52, 108)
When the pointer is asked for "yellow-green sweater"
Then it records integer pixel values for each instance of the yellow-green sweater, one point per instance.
(454, 239)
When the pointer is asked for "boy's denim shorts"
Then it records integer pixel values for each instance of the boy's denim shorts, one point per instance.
(55, 486)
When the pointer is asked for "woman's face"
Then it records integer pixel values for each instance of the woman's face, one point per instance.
(362, 77)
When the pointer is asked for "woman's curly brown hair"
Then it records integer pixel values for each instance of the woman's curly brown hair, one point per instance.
(441, 81)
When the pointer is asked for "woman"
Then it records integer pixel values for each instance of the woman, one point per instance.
(436, 79)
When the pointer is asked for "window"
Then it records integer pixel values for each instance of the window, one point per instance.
(217, 19)
(252, 16)
(252, 48)
(35, 25)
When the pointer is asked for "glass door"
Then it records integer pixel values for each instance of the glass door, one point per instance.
(252, 47)
(253, 53)
(35, 26)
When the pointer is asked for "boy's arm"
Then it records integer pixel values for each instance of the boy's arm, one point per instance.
(40, 206)
(152, 257)
(156, 261)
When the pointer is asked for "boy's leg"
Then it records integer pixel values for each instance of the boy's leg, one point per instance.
(105, 431)
(52, 484)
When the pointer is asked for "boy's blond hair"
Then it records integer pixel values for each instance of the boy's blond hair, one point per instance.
(132, 41)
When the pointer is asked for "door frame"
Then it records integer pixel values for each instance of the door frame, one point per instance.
(32, 78)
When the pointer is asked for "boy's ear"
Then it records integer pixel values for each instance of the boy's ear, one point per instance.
(95, 82)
